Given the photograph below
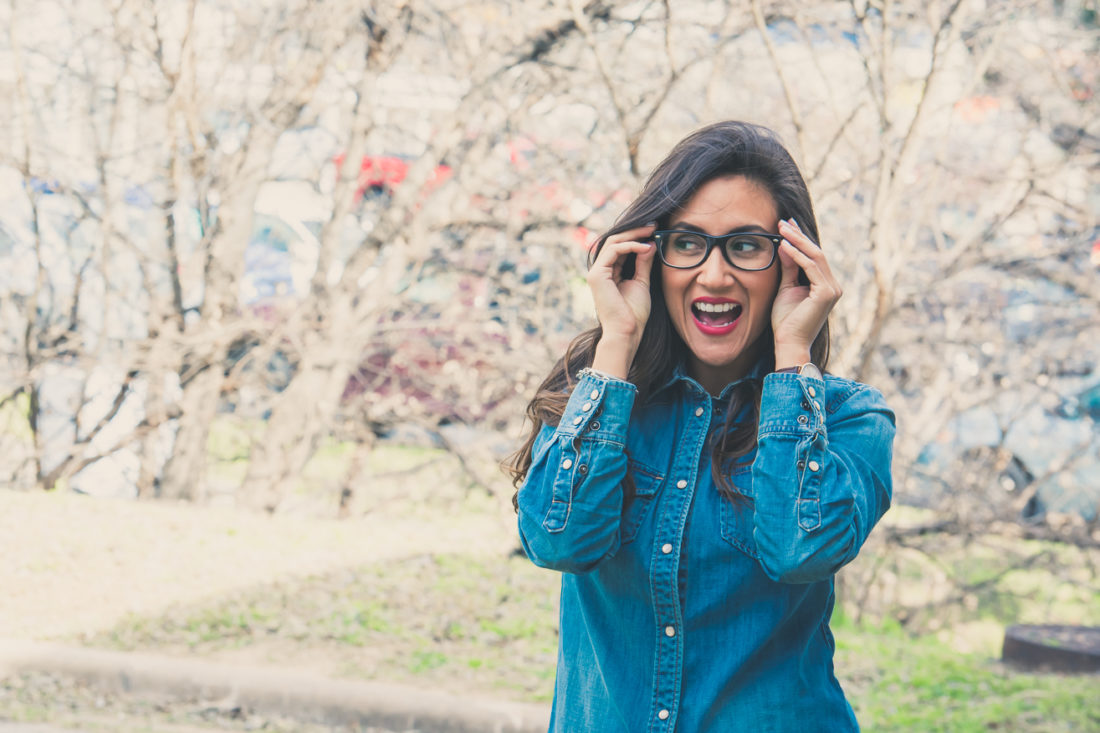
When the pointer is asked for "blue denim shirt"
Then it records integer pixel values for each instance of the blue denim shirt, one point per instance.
(681, 610)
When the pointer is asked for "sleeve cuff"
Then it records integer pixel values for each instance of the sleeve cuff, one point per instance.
(599, 408)
(791, 404)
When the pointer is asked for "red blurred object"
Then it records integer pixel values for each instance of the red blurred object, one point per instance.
(387, 172)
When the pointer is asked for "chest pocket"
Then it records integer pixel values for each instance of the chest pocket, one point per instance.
(736, 518)
(637, 504)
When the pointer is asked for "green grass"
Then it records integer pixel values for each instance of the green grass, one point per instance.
(489, 625)
(897, 682)
(456, 621)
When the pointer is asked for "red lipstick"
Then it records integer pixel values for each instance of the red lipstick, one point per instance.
(715, 316)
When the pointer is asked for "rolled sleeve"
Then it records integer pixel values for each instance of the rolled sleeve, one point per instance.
(571, 501)
(822, 474)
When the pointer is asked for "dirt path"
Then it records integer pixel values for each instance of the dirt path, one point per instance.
(74, 565)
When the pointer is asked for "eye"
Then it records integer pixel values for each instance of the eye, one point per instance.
(687, 243)
(746, 244)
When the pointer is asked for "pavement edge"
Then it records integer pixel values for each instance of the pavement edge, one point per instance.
(300, 696)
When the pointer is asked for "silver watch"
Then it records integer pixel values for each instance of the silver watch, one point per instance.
(810, 370)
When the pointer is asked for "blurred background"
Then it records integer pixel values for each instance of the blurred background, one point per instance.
(294, 269)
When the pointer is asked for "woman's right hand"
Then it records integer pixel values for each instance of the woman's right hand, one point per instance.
(621, 305)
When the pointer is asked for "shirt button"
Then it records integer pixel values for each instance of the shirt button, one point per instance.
(567, 464)
(681, 484)
(663, 714)
(586, 407)
(813, 465)
(666, 548)
(812, 391)
(577, 420)
(669, 631)
(801, 465)
(698, 412)
(595, 394)
(802, 419)
(817, 404)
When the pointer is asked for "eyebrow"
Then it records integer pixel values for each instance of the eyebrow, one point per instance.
(751, 228)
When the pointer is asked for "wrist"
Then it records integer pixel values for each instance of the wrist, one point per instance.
(788, 357)
(614, 356)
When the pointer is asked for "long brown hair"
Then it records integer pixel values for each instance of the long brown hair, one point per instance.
(718, 150)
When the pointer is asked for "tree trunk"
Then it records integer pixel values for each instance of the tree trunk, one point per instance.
(184, 474)
(301, 416)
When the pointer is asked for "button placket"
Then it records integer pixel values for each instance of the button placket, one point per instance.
(809, 506)
(562, 493)
(665, 587)
(810, 405)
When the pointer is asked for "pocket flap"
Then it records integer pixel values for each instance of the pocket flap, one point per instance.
(646, 480)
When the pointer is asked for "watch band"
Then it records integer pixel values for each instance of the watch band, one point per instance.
(809, 369)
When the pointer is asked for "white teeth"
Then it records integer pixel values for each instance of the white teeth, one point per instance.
(716, 307)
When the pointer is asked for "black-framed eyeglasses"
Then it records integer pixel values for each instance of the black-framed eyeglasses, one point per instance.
(683, 249)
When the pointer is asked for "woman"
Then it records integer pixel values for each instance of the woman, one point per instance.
(691, 472)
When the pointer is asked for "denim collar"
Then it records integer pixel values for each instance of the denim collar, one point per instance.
(680, 375)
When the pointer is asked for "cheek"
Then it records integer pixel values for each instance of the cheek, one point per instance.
(767, 287)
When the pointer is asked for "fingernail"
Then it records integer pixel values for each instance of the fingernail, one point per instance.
(651, 223)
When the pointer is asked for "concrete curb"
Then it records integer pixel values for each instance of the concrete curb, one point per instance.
(305, 697)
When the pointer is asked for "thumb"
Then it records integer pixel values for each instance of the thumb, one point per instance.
(643, 265)
(789, 269)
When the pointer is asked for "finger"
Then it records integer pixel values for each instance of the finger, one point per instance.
(814, 273)
(801, 242)
(643, 266)
(613, 253)
(806, 246)
(788, 269)
(634, 235)
(793, 233)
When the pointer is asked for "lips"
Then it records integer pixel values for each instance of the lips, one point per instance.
(715, 316)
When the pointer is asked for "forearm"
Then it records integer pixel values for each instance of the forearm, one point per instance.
(571, 501)
(821, 476)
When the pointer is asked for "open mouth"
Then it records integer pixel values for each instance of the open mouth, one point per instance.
(716, 315)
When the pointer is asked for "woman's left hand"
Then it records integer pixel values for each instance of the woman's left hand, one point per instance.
(799, 311)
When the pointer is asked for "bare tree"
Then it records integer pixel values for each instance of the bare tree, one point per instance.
(949, 147)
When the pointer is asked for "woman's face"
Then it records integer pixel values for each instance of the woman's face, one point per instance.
(723, 338)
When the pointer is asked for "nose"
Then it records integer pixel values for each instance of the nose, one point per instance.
(714, 271)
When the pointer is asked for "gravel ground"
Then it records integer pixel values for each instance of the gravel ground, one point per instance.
(71, 706)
